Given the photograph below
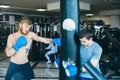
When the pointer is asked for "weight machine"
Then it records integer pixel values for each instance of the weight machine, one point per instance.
(111, 48)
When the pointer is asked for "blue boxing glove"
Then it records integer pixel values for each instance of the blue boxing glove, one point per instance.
(57, 41)
(71, 70)
(21, 41)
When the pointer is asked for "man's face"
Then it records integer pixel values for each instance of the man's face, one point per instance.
(24, 28)
(85, 42)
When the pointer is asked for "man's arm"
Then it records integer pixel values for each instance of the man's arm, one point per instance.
(9, 48)
(94, 62)
(40, 39)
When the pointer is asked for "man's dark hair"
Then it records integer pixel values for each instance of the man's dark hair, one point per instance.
(86, 33)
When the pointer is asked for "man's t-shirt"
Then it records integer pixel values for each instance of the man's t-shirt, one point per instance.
(93, 51)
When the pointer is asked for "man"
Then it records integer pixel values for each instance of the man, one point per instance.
(90, 51)
(17, 48)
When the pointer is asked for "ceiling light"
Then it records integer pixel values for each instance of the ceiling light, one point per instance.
(41, 9)
(89, 15)
(4, 6)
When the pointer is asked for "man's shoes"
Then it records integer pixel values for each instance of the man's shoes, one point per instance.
(48, 62)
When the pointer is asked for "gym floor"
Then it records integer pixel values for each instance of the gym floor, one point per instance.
(42, 70)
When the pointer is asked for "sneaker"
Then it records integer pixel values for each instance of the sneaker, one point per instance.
(48, 62)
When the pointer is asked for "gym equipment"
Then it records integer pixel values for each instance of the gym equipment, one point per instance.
(20, 42)
(93, 71)
(35, 47)
(115, 52)
(103, 67)
(4, 32)
(13, 28)
(114, 65)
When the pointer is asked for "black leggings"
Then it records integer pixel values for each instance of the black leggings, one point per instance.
(23, 71)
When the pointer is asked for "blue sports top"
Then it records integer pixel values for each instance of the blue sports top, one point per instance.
(93, 51)
(53, 47)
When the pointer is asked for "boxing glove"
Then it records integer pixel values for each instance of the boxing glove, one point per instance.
(57, 41)
(21, 41)
(71, 70)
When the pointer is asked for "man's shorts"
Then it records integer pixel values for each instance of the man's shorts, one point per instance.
(19, 70)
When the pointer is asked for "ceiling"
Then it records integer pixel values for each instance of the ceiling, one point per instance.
(29, 6)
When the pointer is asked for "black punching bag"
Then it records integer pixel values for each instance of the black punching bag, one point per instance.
(70, 29)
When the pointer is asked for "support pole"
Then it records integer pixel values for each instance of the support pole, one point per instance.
(93, 71)
(70, 29)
